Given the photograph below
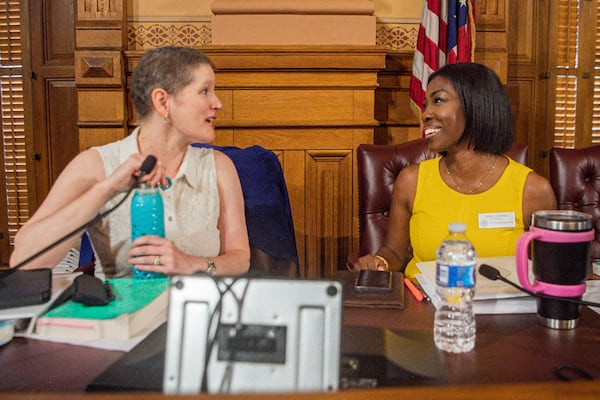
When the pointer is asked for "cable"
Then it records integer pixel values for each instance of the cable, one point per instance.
(217, 311)
(147, 166)
(493, 274)
(67, 236)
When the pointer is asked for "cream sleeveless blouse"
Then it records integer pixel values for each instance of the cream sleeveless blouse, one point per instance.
(191, 209)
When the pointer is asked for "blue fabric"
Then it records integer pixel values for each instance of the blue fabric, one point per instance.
(267, 205)
(86, 253)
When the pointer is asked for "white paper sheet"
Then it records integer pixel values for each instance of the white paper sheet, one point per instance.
(491, 297)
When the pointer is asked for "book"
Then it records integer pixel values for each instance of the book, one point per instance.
(491, 297)
(138, 305)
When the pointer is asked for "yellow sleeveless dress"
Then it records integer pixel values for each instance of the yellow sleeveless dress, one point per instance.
(494, 218)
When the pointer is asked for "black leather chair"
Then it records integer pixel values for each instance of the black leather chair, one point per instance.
(378, 167)
(575, 178)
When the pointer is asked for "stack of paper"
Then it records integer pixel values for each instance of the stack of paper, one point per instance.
(491, 297)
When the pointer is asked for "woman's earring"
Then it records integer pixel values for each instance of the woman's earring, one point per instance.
(166, 119)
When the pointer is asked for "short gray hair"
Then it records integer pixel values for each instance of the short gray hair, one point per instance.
(168, 68)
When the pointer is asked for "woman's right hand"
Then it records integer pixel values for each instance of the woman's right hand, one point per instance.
(123, 177)
(370, 261)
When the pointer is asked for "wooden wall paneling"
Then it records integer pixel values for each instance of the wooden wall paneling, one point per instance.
(100, 31)
(53, 132)
(491, 14)
(523, 25)
(314, 156)
(527, 77)
(397, 122)
(491, 46)
(224, 137)
(291, 22)
(293, 163)
(329, 207)
(101, 108)
(62, 123)
(97, 136)
(100, 68)
(522, 92)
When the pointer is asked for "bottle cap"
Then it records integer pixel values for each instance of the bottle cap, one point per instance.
(457, 227)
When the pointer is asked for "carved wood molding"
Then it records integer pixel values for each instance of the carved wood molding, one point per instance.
(100, 38)
(98, 68)
(97, 13)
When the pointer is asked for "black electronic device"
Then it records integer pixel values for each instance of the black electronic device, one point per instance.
(373, 281)
(25, 288)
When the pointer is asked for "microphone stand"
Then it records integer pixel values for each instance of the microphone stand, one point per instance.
(493, 274)
(69, 235)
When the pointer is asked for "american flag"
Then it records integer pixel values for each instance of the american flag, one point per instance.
(446, 36)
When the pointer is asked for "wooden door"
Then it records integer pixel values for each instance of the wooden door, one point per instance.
(54, 124)
(528, 78)
(50, 116)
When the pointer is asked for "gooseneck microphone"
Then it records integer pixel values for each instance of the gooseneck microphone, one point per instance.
(493, 274)
(146, 167)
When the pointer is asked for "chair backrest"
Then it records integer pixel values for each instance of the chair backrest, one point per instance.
(575, 178)
(268, 213)
(378, 167)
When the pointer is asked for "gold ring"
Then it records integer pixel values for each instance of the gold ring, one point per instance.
(157, 260)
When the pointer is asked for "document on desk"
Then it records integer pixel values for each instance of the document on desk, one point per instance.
(491, 297)
(592, 293)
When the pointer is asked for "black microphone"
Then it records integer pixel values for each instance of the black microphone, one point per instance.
(145, 168)
(493, 274)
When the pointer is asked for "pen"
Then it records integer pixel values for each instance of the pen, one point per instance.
(418, 285)
(413, 289)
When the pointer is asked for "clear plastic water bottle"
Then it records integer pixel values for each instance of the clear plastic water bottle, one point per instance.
(147, 218)
(454, 324)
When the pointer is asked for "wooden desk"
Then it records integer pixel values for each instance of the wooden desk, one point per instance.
(514, 357)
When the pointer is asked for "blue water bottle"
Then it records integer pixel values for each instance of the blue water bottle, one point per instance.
(147, 218)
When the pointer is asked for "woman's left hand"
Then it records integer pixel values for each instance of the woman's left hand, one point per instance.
(156, 254)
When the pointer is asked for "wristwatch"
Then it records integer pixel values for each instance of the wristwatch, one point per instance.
(212, 268)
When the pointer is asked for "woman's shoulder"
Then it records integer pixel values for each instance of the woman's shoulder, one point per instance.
(515, 171)
(428, 166)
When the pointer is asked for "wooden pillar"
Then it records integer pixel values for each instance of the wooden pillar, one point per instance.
(100, 38)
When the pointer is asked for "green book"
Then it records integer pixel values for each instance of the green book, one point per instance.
(138, 305)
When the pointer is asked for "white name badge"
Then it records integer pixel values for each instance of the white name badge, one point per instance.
(497, 220)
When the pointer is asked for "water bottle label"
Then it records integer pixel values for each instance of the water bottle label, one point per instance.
(455, 276)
